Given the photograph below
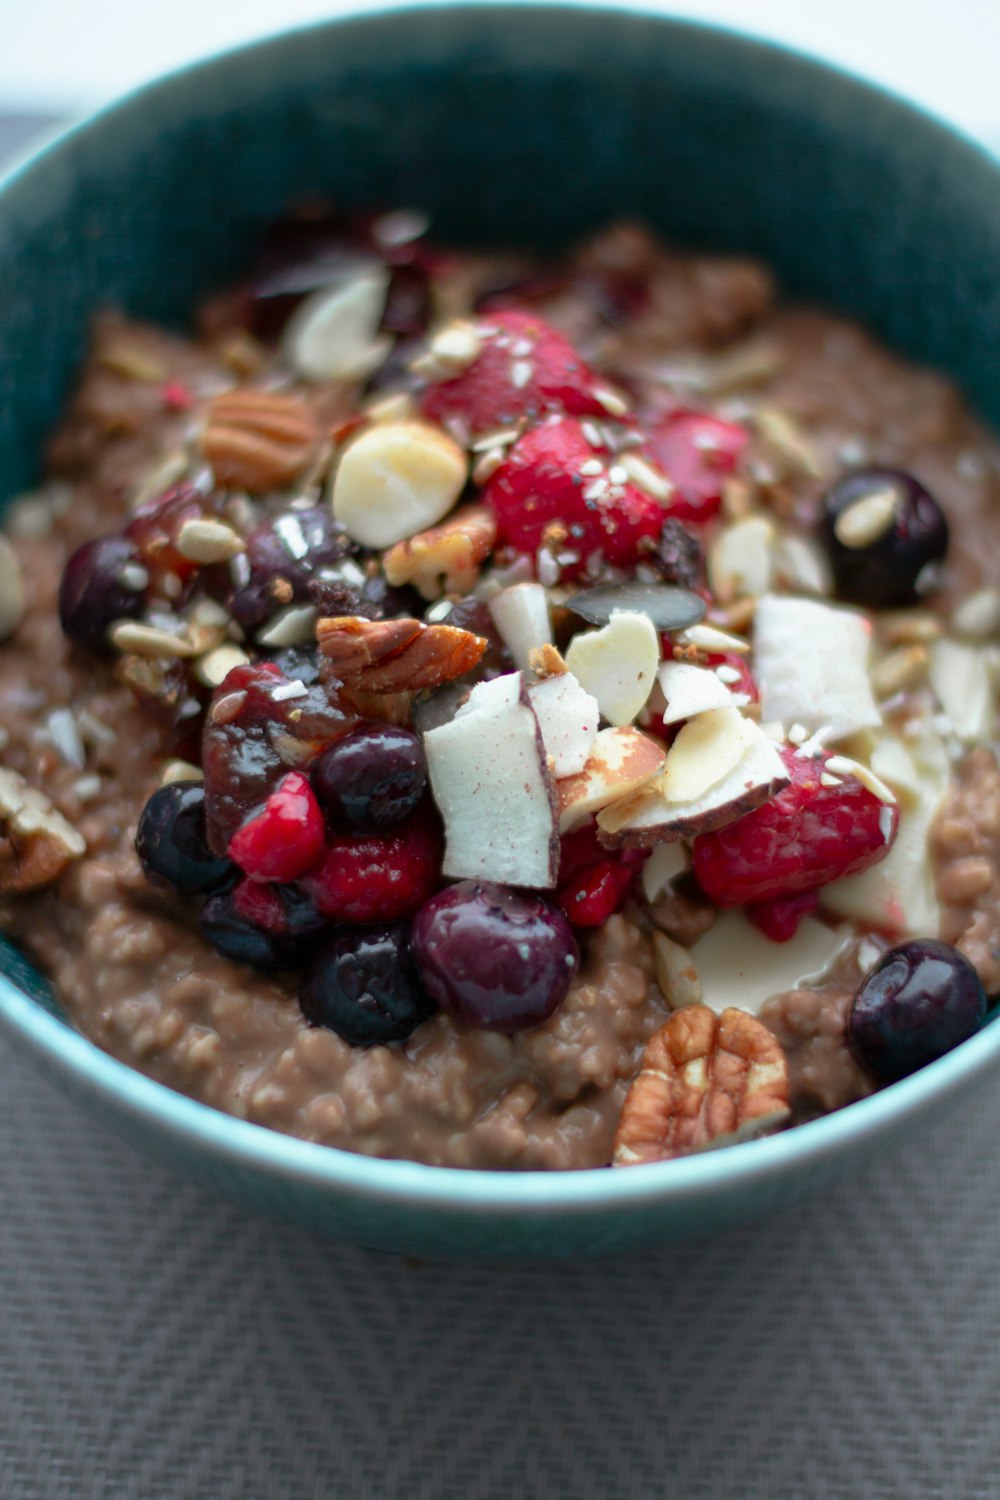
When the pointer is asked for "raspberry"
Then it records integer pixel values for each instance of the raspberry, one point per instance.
(545, 481)
(696, 452)
(779, 920)
(286, 838)
(806, 836)
(379, 877)
(492, 393)
(593, 885)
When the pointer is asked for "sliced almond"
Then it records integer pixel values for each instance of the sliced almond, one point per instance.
(621, 761)
(569, 719)
(397, 479)
(705, 750)
(689, 690)
(521, 614)
(666, 863)
(334, 334)
(617, 664)
(739, 561)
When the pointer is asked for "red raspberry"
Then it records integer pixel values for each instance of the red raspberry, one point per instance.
(806, 836)
(379, 877)
(540, 483)
(491, 393)
(697, 453)
(286, 838)
(592, 884)
(779, 920)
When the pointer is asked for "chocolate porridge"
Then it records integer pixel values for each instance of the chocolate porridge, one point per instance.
(506, 715)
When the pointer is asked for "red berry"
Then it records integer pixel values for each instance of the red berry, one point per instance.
(779, 920)
(157, 524)
(697, 453)
(379, 877)
(592, 883)
(493, 391)
(546, 479)
(806, 836)
(286, 838)
(176, 396)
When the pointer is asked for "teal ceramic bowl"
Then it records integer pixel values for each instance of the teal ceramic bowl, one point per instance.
(510, 124)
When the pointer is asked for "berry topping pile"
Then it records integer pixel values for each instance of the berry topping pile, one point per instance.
(465, 637)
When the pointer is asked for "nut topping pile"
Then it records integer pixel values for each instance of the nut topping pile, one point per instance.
(464, 636)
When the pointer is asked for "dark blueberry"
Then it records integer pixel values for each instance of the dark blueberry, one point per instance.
(172, 843)
(473, 614)
(298, 663)
(373, 778)
(897, 535)
(236, 936)
(677, 557)
(364, 986)
(920, 1000)
(282, 558)
(496, 958)
(99, 587)
(384, 601)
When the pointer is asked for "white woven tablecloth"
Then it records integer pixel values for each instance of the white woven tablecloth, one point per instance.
(156, 1344)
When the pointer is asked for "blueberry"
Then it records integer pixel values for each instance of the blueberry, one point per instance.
(373, 778)
(103, 581)
(363, 985)
(879, 553)
(496, 958)
(920, 1000)
(282, 557)
(172, 843)
(235, 935)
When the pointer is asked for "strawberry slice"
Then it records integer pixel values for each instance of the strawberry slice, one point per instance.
(806, 836)
(697, 453)
(286, 838)
(525, 369)
(554, 477)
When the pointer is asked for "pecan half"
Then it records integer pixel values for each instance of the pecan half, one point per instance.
(259, 440)
(446, 559)
(36, 842)
(705, 1081)
(396, 656)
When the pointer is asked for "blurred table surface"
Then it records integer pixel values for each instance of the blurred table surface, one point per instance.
(159, 1344)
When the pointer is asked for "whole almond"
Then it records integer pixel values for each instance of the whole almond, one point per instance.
(395, 480)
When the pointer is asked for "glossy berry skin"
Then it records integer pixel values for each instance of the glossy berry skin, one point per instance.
(156, 526)
(286, 837)
(493, 957)
(379, 877)
(283, 556)
(917, 1003)
(364, 986)
(172, 843)
(93, 593)
(884, 574)
(698, 453)
(541, 483)
(779, 919)
(373, 778)
(283, 911)
(490, 393)
(803, 838)
(593, 884)
(239, 937)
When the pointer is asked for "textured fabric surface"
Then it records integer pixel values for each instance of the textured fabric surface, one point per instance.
(157, 1344)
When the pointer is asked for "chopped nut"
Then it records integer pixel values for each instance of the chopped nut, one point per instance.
(546, 661)
(861, 524)
(705, 1081)
(447, 558)
(739, 560)
(333, 334)
(737, 498)
(397, 407)
(180, 770)
(215, 666)
(205, 541)
(450, 351)
(148, 640)
(842, 765)
(396, 656)
(901, 626)
(12, 598)
(977, 618)
(397, 479)
(901, 669)
(788, 441)
(259, 440)
(294, 626)
(676, 973)
(36, 842)
(645, 476)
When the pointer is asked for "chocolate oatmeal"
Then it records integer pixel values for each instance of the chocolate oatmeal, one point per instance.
(505, 715)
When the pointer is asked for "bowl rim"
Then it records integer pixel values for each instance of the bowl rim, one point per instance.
(588, 1192)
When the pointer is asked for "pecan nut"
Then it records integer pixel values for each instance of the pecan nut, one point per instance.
(259, 440)
(36, 842)
(396, 656)
(706, 1080)
(447, 558)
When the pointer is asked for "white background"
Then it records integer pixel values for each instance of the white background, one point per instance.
(65, 56)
